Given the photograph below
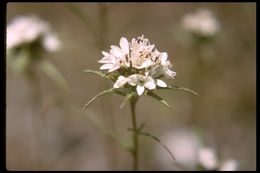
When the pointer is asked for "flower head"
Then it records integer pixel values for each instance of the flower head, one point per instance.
(202, 23)
(137, 64)
(25, 30)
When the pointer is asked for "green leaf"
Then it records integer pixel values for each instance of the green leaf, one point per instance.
(127, 98)
(97, 73)
(111, 90)
(141, 127)
(156, 139)
(155, 96)
(98, 95)
(51, 71)
(179, 88)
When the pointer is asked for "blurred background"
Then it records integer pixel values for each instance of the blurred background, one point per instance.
(56, 134)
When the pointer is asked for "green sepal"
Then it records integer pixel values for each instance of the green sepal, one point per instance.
(156, 97)
(179, 88)
(97, 73)
(111, 90)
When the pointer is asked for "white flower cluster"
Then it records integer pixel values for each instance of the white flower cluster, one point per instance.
(190, 153)
(202, 22)
(208, 159)
(137, 63)
(25, 30)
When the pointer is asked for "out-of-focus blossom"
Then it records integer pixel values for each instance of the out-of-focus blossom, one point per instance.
(183, 145)
(51, 43)
(24, 30)
(202, 23)
(207, 158)
(190, 154)
(229, 165)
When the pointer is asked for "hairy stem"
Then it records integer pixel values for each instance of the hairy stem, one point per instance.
(135, 134)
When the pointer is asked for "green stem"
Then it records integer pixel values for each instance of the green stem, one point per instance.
(135, 134)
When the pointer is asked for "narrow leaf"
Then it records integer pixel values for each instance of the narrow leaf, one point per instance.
(97, 73)
(111, 90)
(141, 127)
(179, 88)
(157, 140)
(155, 96)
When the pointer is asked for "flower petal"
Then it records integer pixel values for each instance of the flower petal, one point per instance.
(124, 45)
(106, 66)
(133, 79)
(116, 51)
(169, 73)
(114, 67)
(161, 83)
(163, 58)
(105, 53)
(120, 82)
(106, 59)
(149, 83)
(140, 89)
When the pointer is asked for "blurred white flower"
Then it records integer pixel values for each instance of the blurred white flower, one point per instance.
(138, 64)
(190, 154)
(183, 144)
(51, 43)
(207, 158)
(202, 22)
(25, 30)
(229, 165)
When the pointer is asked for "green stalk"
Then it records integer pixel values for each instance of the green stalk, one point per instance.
(135, 134)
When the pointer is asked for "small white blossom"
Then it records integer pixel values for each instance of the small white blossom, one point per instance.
(201, 22)
(25, 30)
(207, 158)
(117, 57)
(229, 165)
(111, 63)
(141, 82)
(121, 81)
(51, 43)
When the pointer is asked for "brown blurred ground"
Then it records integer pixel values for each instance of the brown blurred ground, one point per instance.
(66, 141)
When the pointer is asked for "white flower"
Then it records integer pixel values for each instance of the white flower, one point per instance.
(164, 68)
(51, 43)
(202, 22)
(207, 158)
(121, 81)
(141, 82)
(110, 62)
(139, 60)
(122, 51)
(25, 30)
(137, 63)
(141, 53)
(229, 165)
(118, 57)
